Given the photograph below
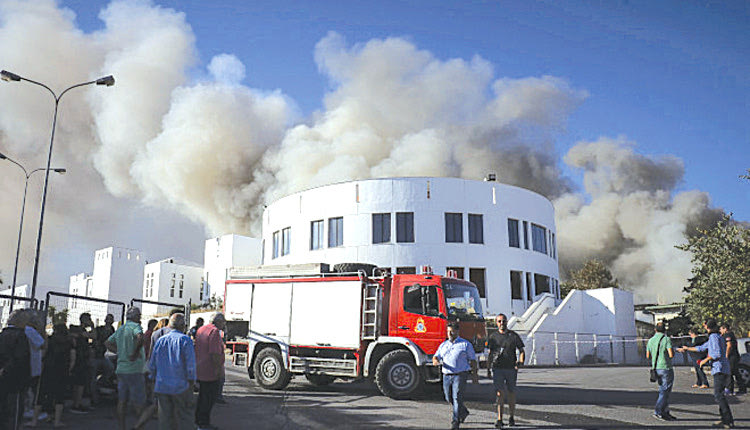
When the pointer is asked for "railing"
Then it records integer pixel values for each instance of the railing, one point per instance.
(71, 306)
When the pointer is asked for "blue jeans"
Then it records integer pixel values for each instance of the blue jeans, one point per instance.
(453, 388)
(665, 379)
(721, 381)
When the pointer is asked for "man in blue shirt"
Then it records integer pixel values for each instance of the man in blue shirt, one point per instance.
(172, 365)
(717, 356)
(457, 357)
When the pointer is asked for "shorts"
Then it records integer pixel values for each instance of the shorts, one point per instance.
(504, 379)
(131, 387)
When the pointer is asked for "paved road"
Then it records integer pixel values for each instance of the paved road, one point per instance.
(590, 398)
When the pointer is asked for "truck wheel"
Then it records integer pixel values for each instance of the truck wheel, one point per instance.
(397, 376)
(269, 370)
(319, 380)
(744, 371)
(354, 268)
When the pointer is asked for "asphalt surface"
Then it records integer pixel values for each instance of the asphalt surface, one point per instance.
(569, 398)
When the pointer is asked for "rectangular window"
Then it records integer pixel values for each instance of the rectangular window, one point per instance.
(516, 291)
(406, 270)
(381, 228)
(554, 246)
(171, 289)
(539, 238)
(525, 235)
(286, 240)
(421, 300)
(459, 271)
(541, 282)
(476, 229)
(404, 227)
(513, 233)
(182, 286)
(335, 232)
(476, 277)
(529, 287)
(276, 244)
(454, 227)
(203, 281)
(316, 234)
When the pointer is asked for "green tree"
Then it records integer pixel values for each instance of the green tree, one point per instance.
(593, 274)
(720, 286)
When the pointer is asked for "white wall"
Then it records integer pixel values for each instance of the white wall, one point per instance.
(224, 252)
(429, 199)
(118, 274)
(21, 291)
(167, 273)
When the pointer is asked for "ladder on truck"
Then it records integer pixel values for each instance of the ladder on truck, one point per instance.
(370, 310)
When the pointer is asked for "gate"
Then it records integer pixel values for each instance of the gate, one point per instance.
(158, 308)
(63, 307)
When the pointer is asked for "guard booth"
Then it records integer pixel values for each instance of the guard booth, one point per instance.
(67, 308)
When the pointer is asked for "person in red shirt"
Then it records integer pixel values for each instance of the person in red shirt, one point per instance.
(209, 360)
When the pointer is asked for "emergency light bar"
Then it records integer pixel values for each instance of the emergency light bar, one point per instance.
(425, 270)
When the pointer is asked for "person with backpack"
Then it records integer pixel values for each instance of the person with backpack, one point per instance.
(659, 350)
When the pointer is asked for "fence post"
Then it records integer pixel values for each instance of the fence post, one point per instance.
(557, 353)
(575, 342)
(611, 350)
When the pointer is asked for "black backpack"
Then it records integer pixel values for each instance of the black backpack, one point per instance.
(14, 359)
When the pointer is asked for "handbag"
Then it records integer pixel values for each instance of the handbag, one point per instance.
(652, 374)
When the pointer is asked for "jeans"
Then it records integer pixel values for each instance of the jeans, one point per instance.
(453, 389)
(734, 365)
(721, 381)
(207, 393)
(175, 410)
(665, 379)
(99, 365)
(700, 375)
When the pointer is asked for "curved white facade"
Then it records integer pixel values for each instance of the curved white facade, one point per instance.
(404, 223)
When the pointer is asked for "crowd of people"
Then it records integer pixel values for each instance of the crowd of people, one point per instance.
(155, 373)
(719, 352)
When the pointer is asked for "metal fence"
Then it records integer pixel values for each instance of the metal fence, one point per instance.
(67, 308)
(18, 302)
(156, 308)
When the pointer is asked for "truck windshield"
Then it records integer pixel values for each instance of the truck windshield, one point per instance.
(462, 301)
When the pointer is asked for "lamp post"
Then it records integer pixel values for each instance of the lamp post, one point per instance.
(20, 225)
(12, 77)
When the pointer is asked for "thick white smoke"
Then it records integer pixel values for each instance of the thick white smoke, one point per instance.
(215, 150)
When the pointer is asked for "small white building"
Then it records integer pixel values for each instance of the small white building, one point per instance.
(21, 291)
(81, 284)
(224, 252)
(500, 237)
(171, 280)
(118, 274)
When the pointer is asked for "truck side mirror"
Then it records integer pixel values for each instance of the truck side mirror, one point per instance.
(442, 315)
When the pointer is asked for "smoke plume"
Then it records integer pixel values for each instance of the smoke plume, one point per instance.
(176, 137)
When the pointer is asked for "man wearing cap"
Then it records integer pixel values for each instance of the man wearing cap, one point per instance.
(127, 342)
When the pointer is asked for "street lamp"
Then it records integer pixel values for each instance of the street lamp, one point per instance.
(12, 77)
(20, 226)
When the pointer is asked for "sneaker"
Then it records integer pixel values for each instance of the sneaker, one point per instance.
(462, 417)
(658, 417)
(498, 424)
(511, 421)
(42, 416)
(79, 410)
(669, 417)
(455, 425)
(721, 425)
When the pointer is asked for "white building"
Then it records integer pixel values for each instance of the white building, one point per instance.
(498, 236)
(224, 252)
(171, 281)
(21, 291)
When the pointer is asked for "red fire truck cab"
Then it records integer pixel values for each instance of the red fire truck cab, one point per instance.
(306, 320)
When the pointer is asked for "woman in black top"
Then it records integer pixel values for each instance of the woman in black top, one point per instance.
(58, 361)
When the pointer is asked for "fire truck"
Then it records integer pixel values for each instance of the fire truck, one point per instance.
(308, 320)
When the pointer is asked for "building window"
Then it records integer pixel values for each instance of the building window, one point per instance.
(276, 244)
(553, 248)
(335, 232)
(381, 228)
(171, 289)
(541, 282)
(459, 271)
(203, 285)
(404, 227)
(476, 229)
(476, 277)
(316, 234)
(406, 270)
(286, 240)
(539, 238)
(423, 300)
(454, 227)
(182, 285)
(529, 287)
(513, 233)
(525, 235)
(516, 287)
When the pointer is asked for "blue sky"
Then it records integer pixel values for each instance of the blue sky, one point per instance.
(673, 76)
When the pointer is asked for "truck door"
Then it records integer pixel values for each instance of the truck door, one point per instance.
(418, 316)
